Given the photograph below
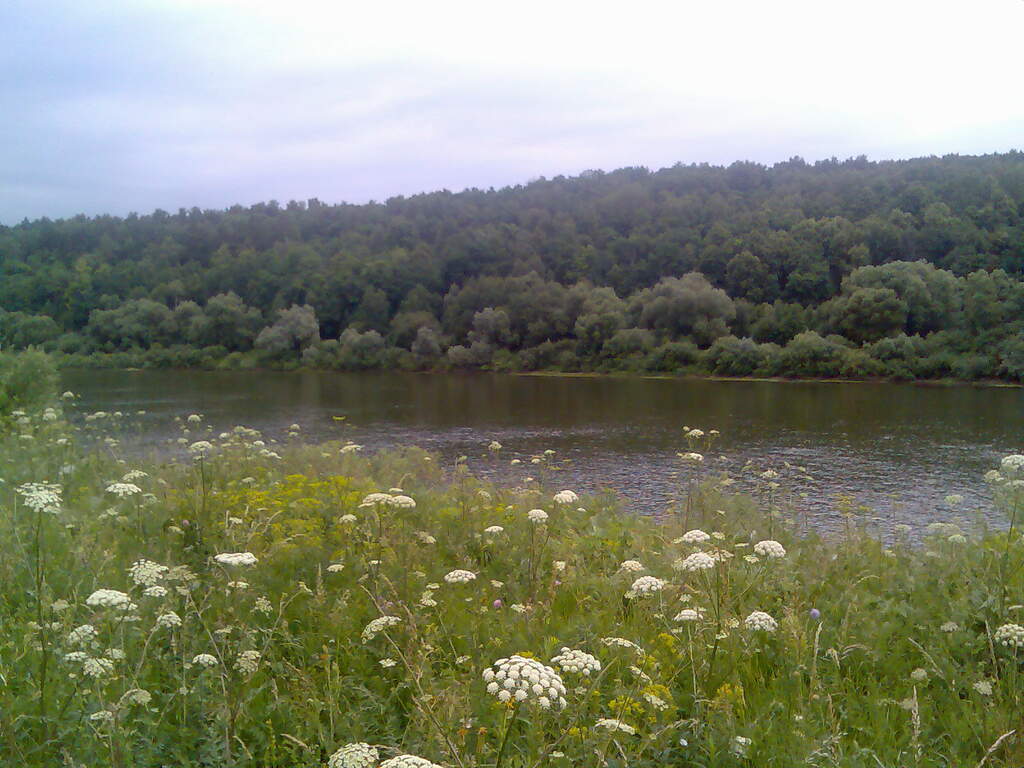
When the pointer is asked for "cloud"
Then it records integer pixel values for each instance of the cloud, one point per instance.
(116, 106)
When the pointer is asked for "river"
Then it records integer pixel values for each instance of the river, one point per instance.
(898, 449)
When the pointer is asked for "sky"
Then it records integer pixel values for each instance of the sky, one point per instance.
(118, 107)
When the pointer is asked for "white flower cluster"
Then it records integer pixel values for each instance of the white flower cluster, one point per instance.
(646, 586)
(612, 724)
(110, 598)
(205, 660)
(408, 761)
(41, 497)
(459, 576)
(97, 666)
(358, 755)
(537, 516)
(396, 500)
(698, 561)
(123, 490)
(689, 614)
(247, 662)
(621, 642)
(493, 530)
(696, 536)
(565, 497)
(691, 456)
(378, 625)
(769, 548)
(631, 566)
(82, 635)
(236, 558)
(168, 620)
(1013, 464)
(146, 573)
(1010, 635)
(520, 679)
(578, 662)
(760, 621)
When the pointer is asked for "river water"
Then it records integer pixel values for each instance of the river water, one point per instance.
(898, 449)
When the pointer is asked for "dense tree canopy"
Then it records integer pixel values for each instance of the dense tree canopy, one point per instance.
(909, 268)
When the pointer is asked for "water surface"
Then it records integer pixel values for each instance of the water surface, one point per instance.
(898, 448)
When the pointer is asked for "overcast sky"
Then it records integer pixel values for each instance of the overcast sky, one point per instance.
(112, 107)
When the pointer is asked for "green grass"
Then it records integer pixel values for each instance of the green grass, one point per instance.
(860, 671)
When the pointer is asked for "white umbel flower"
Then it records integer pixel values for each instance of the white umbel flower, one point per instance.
(236, 558)
(459, 576)
(631, 566)
(146, 573)
(123, 490)
(760, 621)
(646, 586)
(247, 662)
(519, 679)
(577, 662)
(41, 497)
(358, 755)
(155, 591)
(168, 620)
(493, 530)
(376, 499)
(565, 497)
(110, 598)
(205, 660)
(537, 516)
(689, 614)
(691, 456)
(378, 625)
(769, 548)
(97, 667)
(402, 502)
(612, 724)
(696, 536)
(698, 561)
(1010, 635)
(1013, 464)
(82, 635)
(408, 761)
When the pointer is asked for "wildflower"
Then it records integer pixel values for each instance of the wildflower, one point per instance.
(518, 608)
(514, 462)
(358, 755)
(1010, 635)
(387, 663)
(520, 679)
(378, 625)
(335, 567)
(759, 620)
(621, 642)
(347, 519)
(559, 566)
(375, 499)
(949, 626)
(425, 538)
(146, 573)
(493, 530)
(137, 696)
(82, 635)
(236, 558)
(168, 620)
(740, 746)
(123, 490)
(110, 598)
(194, 418)
(402, 502)
(691, 456)
(655, 701)
(97, 667)
(814, 613)
(238, 585)
(41, 497)
(565, 497)
(579, 662)
(984, 687)
(459, 576)
(115, 654)
(689, 614)
(645, 586)
(615, 725)
(200, 448)
(698, 561)
(696, 536)
(494, 446)
(695, 434)
(497, 603)
(247, 662)
(263, 606)
(630, 566)
(408, 761)
(101, 715)
(132, 475)
(351, 448)
(1013, 464)
(205, 660)
(537, 516)
(769, 548)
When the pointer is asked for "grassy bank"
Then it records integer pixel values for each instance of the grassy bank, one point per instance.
(255, 604)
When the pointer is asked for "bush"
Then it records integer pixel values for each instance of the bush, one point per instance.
(27, 380)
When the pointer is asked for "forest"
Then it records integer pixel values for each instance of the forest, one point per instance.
(909, 269)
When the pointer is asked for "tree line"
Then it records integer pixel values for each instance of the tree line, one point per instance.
(906, 269)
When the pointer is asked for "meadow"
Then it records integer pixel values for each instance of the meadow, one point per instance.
(245, 602)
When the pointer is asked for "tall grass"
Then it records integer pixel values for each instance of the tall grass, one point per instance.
(795, 651)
